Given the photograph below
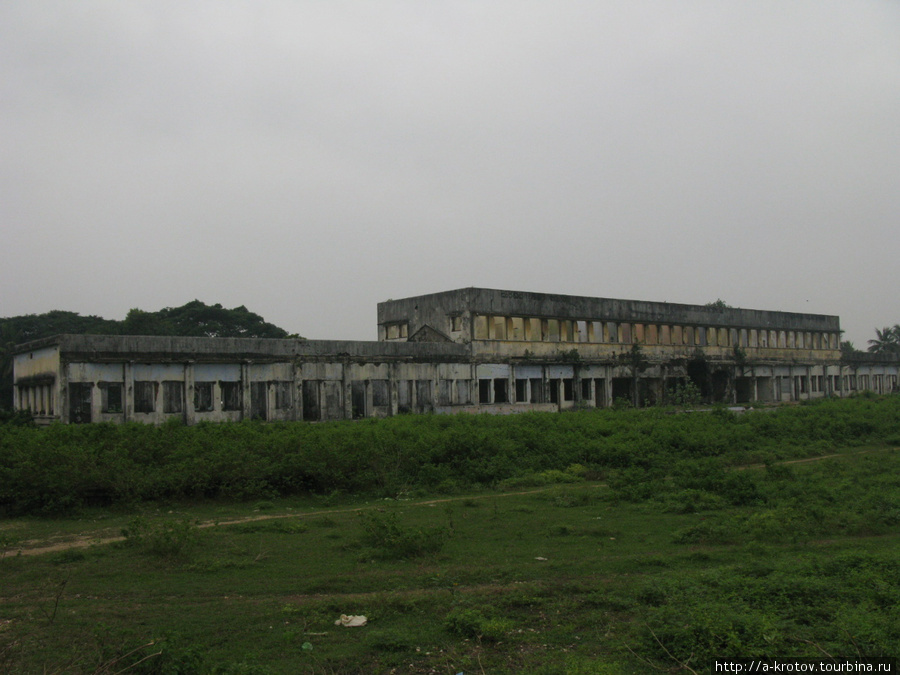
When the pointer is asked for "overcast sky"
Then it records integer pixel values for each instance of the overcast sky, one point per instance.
(310, 159)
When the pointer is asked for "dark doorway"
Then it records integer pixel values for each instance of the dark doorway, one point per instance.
(259, 404)
(80, 402)
(358, 398)
(311, 400)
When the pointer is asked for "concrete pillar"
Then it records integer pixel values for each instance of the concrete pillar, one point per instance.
(189, 413)
(128, 390)
(346, 392)
(394, 392)
(63, 391)
(296, 391)
(245, 390)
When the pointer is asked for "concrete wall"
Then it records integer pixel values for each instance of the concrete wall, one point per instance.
(438, 309)
(36, 376)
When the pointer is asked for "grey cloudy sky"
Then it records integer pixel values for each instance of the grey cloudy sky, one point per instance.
(310, 159)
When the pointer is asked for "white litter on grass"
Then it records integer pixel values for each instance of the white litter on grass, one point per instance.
(540, 558)
(351, 621)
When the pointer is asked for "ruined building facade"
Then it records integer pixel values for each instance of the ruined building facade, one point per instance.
(472, 350)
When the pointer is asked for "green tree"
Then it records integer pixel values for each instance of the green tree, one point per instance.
(202, 320)
(849, 350)
(887, 340)
(139, 322)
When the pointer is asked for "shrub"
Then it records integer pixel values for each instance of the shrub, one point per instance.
(391, 540)
(166, 539)
(473, 624)
(707, 532)
(61, 468)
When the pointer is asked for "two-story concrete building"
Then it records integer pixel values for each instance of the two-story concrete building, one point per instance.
(473, 350)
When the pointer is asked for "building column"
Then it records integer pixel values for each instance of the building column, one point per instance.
(189, 413)
(393, 391)
(346, 391)
(296, 392)
(63, 389)
(607, 387)
(245, 390)
(128, 390)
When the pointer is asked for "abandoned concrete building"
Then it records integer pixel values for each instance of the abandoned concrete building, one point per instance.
(467, 350)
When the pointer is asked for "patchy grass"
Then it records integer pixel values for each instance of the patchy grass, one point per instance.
(569, 578)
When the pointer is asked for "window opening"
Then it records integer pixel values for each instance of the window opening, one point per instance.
(484, 391)
(203, 396)
(463, 392)
(586, 389)
(231, 395)
(284, 395)
(424, 396)
(445, 397)
(358, 399)
(537, 390)
(173, 397)
(381, 393)
(112, 397)
(259, 400)
(311, 409)
(553, 385)
(521, 391)
(144, 397)
(501, 390)
(404, 396)
(80, 402)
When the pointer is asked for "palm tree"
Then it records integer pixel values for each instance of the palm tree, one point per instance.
(887, 340)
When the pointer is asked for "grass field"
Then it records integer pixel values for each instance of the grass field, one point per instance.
(631, 574)
(602, 541)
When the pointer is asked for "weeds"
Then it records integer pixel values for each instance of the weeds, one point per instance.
(62, 468)
(473, 624)
(165, 539)
(388, 539)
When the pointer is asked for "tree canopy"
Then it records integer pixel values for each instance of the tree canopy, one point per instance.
(200, 320)
(886, 341)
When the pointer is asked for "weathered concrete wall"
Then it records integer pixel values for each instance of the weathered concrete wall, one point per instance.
(436, 309)
(101, 347)
(38, 363)
(491, 350)
(516, 303)
(36, 376)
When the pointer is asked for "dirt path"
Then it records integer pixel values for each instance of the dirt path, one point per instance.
(818, 458)
(56, 544)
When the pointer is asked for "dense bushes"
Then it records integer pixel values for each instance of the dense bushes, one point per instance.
(804, 607)
(55, 469)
